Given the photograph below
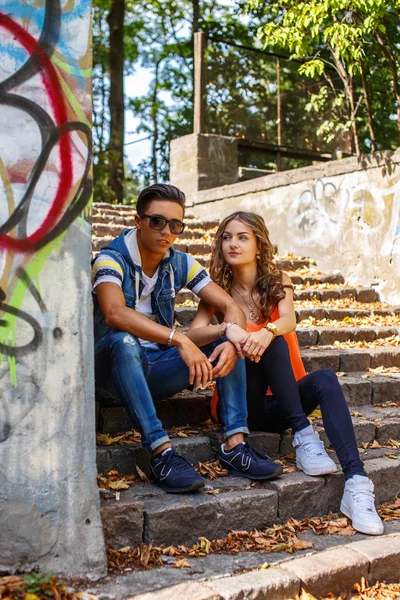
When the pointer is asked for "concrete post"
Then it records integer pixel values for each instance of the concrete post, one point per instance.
(49, 501)
(203, 161)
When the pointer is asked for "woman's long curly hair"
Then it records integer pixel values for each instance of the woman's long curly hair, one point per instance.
(269, 278)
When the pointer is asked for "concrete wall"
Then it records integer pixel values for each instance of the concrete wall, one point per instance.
(49, 502)
(345, 214)
(201, 161)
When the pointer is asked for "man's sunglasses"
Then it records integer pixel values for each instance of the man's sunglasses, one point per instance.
(158, 222)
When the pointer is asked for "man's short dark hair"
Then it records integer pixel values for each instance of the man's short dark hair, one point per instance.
(159, 191)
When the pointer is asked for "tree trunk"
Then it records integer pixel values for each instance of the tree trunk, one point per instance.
(392, 62)
(348, 90)
(368, 107)
(116, 100)
(154, 116)
(196, 17)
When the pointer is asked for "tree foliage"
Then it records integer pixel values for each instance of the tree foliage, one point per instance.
(357, 40)
(338, 91)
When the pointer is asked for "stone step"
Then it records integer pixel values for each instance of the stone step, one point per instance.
(190, 408)
(331, 566)
(363, 294)
(350, 359)
(324, 336)
(185, 314)
(146, 513)
(370, 423)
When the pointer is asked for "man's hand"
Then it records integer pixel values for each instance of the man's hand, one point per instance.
(200, 367)
(227, 359)
(238, 337)
(256, 344)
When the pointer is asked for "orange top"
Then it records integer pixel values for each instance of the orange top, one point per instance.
(294, 353)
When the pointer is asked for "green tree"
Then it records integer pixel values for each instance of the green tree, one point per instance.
(117, 26)
(338, 36)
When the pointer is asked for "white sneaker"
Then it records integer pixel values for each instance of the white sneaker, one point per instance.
(311, 456)
(358, 503)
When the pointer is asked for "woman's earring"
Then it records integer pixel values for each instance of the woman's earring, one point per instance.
(258, 255)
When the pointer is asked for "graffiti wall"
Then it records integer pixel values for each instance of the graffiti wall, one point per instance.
(345, 214)
(49, 512)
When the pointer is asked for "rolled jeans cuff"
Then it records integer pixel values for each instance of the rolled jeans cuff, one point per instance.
(236, 430)
(157, 443)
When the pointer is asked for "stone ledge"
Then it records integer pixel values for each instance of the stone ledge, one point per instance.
(329, 571)
(284, 178)
(332, 570)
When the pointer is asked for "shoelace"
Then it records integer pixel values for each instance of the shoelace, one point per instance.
(314, 448)
(365, 499)
(254, 452)
(173, 459)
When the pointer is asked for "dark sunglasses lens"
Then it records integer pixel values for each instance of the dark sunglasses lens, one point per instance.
(176, 226)
(157, 222)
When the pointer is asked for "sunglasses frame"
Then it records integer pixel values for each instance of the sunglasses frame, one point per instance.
(167, 222)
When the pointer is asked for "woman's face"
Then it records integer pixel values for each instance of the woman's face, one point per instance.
(239, 244)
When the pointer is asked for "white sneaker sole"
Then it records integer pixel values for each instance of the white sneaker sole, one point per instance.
(361, 527)
(316, 471)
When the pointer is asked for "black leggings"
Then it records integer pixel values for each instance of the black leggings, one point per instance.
(292, 400)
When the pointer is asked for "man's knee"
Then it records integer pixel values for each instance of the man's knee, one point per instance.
(125, 343)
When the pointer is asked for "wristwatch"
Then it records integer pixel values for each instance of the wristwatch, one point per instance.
(272, 328)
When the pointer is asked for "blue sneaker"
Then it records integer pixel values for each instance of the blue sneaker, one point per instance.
(246, 461)
(173, 473)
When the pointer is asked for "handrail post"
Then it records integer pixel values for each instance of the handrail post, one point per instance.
(199, 87)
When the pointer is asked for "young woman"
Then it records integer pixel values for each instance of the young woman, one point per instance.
(279, 392)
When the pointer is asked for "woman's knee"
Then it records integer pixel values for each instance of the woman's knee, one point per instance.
(278, 349)
(325, 379)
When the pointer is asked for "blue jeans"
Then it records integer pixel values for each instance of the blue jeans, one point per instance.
(293, 400)
(142, 375)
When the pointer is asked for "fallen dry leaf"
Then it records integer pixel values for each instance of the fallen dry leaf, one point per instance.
(182, 563)
(378, 591)
(211, 469)
(115, 481)
(306, 595)
(141, 474)
(372, 320)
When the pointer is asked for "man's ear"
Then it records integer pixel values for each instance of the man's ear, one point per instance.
(137, 221)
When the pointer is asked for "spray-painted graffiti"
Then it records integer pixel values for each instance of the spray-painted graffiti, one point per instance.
(331, 211)
(45, 150)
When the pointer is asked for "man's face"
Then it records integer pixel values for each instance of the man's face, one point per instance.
(158, 241)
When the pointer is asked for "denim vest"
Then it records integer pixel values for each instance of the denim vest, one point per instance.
(172, 277)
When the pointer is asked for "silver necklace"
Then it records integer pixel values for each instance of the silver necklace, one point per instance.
(254, 316)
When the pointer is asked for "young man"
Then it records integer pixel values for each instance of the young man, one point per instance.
(135, 280)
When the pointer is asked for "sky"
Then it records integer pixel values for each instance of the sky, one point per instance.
(136, 85)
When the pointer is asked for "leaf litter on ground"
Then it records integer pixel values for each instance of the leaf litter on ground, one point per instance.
(278, 538)
(133, 436)
(392, 341)
(389, 320)
(38, 586)
(362, 591)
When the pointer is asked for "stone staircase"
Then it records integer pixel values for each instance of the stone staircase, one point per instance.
(341, 327)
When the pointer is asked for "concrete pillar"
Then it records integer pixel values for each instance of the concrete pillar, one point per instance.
(203, 161)
(49, 501)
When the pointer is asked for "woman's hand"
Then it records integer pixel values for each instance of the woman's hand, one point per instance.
(238, 337)
(257, 343)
